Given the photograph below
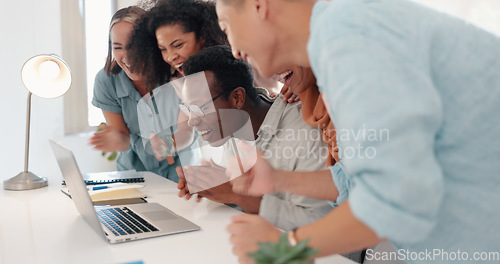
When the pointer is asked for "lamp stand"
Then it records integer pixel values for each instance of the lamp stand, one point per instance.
(26, 180)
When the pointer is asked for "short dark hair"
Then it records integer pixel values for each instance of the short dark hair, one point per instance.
(229, 72)
(195, 16)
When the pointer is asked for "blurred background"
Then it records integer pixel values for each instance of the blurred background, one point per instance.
(77, 30)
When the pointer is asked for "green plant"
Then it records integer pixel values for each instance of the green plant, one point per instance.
(113, 154)
(282, 252)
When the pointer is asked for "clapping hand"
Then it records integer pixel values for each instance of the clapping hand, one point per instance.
(108, 139)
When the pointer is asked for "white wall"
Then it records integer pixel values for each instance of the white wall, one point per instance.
(125, 3)
(31, 27)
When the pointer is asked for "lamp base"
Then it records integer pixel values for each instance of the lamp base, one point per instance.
(25, 181)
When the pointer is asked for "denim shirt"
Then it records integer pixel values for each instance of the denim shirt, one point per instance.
(117, 94)
(415, 97)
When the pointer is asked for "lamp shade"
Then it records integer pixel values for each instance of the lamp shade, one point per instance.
(46, 76)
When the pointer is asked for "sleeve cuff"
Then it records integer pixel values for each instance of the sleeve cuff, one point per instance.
(267, 208)
(108, 108)
(341, 181)
(388, 220)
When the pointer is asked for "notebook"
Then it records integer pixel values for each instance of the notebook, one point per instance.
(113, 194)
(130, 176)
(117, 224)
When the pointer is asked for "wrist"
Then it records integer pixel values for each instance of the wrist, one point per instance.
(275, 234)
(125, 142)
(249, 204)
(171, 144)
(278, 182)
(292, 237)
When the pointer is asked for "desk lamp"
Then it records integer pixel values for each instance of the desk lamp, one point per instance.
(46, 76)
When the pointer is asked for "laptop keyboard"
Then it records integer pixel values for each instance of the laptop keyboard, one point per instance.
(122, 221)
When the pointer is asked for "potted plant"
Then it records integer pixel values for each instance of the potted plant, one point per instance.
(283, 253)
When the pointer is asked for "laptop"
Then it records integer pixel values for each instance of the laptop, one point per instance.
(122, 223)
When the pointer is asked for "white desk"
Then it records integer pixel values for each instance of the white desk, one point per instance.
(43, 226)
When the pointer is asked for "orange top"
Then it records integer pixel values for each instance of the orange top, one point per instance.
(315, 114)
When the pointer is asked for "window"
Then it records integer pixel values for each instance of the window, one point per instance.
(98, 14)
(84, 47)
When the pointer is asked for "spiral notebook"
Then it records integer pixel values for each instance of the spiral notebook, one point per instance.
(130, 176)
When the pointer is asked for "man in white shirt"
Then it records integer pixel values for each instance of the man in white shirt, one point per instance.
(221, 113)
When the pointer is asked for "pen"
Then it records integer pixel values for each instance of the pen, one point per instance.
(99, 188)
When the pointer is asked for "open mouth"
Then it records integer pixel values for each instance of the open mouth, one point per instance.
(127, 66)
(286, 77)
(204, 134)
(178, 67)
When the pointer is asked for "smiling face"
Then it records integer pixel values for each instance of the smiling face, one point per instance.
(298, 79)
(221, 118)
(176, 45)
(119, 35)
(250, 36)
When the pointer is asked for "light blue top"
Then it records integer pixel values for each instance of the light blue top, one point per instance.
(117, 94)
(415, 97)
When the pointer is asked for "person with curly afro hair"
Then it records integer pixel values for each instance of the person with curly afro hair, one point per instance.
(168, 34)
(117, 90)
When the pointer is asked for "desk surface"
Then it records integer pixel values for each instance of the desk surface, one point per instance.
(43, 226)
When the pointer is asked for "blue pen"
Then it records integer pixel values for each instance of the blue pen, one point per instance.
(99, 188)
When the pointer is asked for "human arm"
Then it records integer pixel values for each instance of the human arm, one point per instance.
(359, 221)
(176, 134)
(114, 135)
(398, 193)
(185, 134)
(314, 184)
(223, 193)
(165, 145)
(209, 181)
(262, 178)
(246, 230)
(380, 84)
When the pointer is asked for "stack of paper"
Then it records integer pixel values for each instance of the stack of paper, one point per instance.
(113, 194)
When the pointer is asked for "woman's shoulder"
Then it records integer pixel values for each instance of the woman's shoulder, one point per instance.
(105, 83)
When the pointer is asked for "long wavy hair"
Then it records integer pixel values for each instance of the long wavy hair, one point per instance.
(129, 14)
(196, 16)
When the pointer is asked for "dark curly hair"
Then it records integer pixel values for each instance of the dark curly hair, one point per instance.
(229, 72)
(196, 16)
